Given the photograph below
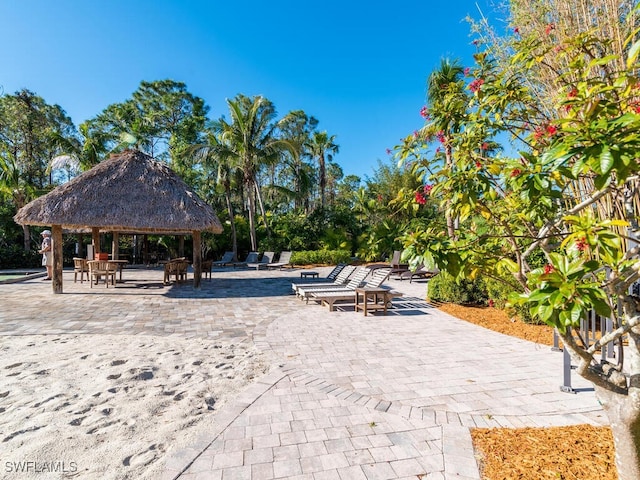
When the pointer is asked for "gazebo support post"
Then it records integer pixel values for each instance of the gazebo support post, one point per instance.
(95, 239)
(80, 253)
(56, 279)
(181, 245)
(197, 260)
(115, 246)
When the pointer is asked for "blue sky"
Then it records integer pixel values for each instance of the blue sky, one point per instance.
(358, 67)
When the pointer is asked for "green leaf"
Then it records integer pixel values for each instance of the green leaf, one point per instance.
(633, 54)
(606, 160)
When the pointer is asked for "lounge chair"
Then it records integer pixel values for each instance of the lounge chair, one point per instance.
(419, 272)
(267, 258)
(396, 266)
(330, 278)
(283, 261)
(329, 297)
(340, 280)
(252, 257)
(355, 281)
(227, 259)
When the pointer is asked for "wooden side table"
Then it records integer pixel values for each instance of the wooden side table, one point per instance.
(369, 298)
(309, 274)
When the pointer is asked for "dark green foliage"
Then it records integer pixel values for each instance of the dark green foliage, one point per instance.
(321, 257)
(444, 288)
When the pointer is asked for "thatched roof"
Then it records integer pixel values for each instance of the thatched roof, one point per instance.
(130, 192)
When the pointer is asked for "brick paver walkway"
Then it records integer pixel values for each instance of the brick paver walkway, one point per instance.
(348, 396)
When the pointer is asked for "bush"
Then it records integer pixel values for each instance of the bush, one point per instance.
(444, 288)
(322, 257)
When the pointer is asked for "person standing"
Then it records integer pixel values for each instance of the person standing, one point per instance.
(47, 253)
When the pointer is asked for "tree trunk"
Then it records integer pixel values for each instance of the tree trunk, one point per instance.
(323, 179)
(232, 221)
(451, 229)
(252, 220)
(624, 417)
(262, 212)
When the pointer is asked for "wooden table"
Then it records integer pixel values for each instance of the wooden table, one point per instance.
(368, 299)
(120, 264)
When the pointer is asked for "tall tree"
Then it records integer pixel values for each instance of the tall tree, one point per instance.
(32, 134)
(447, 104)
(322, 146)
(250, 138)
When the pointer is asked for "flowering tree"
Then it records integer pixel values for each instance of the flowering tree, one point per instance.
(568, 201)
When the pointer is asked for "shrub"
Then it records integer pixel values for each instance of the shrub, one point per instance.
(323, 257)
(444, 288)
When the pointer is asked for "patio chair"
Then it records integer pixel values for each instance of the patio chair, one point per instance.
(206, 267)
(355, 281)
(340, 278)
(227, 259)
(102, 268)
(396, 266)
(283, 261)
(176, 267)
(330, 297)
(267, 258)
(252, 257)
(419, 272)
(329, 279)
(80, 267)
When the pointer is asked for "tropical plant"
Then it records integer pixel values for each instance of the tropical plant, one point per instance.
(576, 162)
(322, 146)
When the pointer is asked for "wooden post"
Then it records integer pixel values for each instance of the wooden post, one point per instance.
(115, 246)
(56, 238)
(80, 251)
(95, 239)
(197, 260)
(181, 245)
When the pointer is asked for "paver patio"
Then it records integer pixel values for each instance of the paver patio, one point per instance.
(348, 396)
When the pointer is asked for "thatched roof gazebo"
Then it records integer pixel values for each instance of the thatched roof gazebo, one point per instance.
(129, 192)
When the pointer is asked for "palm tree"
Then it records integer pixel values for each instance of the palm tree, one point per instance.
(250, 140)
(447, 102)
(321, 144)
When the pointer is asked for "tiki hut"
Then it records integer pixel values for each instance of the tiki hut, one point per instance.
(130, 192)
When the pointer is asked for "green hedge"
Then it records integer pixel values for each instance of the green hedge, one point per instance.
(322, 257)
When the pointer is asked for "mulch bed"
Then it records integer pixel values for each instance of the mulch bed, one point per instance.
(581, 452)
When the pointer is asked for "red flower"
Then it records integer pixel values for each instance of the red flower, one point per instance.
(548, 268)
(478, 164)
(415, 134)
(573, 93)
(582, 244)
(420, 198)
(424, 112)
(538, 133)
(440, 136)
(516, 30)
(551, 130)
(491, 303)
(466, 70)
(379, 198)
(549, 28)
(427, 189)
(515, 172)
(438, 150)
(484, 146)
(476, 84)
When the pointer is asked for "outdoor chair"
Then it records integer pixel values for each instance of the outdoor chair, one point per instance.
(419, 272)
(227, 259)
(396, 266)
(102, 268)
(340, 278)
(266, 259)
(283, 261)
(355, 280)
(80, 267)
(330, 297)
(206, 267)
(176, 267)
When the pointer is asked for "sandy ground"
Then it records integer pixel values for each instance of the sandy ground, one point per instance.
(111, 407)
